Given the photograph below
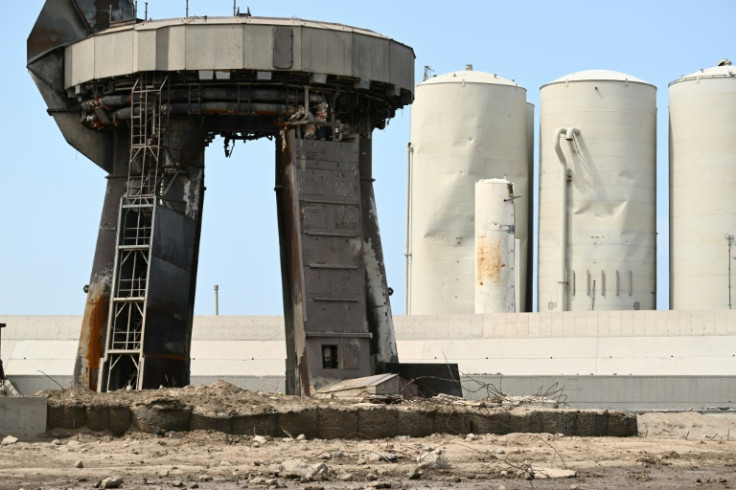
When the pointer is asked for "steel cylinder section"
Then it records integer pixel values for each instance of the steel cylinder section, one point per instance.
(495, 262)
(465, 126)
(597, 223)
(702, 183)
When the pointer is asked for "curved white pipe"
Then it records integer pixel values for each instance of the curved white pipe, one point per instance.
(558, 149)
(569, 135)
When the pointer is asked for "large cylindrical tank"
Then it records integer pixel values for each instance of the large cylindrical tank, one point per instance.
(465, 126)
(703, 189)
(597, 199)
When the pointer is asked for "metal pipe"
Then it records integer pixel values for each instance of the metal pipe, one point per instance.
(187, 9)
(106, 101)
(2, 371)
(234, 7)
(206, 108)
(146, 17)
(210, 95)
(569, 135)
(217, 299)
(729, 239)
(407, 280)
(563, 217)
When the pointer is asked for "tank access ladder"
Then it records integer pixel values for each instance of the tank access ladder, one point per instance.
(123, 357)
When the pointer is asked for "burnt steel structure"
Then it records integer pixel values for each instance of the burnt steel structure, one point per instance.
(142, 99)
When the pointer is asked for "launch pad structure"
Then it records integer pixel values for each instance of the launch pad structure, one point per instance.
(142, 99)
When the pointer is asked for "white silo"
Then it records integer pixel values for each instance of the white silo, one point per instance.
(597, 210)
(465, 126)
(703, 189)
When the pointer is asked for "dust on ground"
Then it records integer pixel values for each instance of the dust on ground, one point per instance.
(673, 450)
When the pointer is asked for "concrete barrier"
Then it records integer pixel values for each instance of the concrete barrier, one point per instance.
(23, 416)
(348, 422)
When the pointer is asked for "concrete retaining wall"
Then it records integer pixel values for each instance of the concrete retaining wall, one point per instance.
(343, 422)
(23, 416)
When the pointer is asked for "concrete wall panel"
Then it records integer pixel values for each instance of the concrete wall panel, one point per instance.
(170, 48)
(80, 62)
(216, 47)
(144, 57)
(327, 51)
(114, 55)
(22, 416)
(369, 58)
(254, 39)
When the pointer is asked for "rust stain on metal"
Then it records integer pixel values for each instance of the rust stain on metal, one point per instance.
(90, 339)
(304, 374)
(490, 262)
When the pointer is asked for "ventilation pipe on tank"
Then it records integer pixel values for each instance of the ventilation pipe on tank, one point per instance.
(569, 135)
(729, 239)
(409, 165)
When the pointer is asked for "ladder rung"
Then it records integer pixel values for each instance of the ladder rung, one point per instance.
(133, 206)
(131, 299)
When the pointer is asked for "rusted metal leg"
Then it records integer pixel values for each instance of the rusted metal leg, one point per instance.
(94, 321)
(290, 277)
(322, 239)
(380, 321)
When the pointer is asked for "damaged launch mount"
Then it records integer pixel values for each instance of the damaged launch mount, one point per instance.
(142, 99)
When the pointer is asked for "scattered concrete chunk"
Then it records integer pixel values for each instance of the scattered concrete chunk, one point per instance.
(112, 482)
(551, 473)
(8, 440)
(345, 477)
(433, 459)
(296, 468)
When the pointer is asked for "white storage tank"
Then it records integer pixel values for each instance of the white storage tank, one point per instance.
(703, 189)
(465, 126)
(597, 199)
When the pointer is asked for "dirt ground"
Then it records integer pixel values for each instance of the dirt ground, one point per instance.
(673, 450)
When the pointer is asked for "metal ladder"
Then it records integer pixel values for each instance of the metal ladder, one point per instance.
(123, 359)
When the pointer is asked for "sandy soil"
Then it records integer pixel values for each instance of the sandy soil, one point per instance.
(674, 450)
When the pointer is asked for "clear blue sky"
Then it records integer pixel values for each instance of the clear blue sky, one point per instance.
(51, 196)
